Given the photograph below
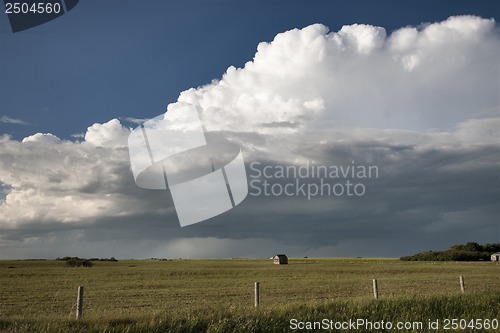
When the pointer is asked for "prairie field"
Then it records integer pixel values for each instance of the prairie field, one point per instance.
(218, 295)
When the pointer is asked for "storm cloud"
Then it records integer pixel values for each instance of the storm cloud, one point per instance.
(421, 104)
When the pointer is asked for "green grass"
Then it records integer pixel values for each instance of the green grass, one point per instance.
(217, 295)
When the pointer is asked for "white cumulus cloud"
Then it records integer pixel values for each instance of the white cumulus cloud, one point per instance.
(433, 77)
(108, 134)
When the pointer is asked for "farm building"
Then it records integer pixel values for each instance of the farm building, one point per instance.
(495, 256)
(280, 259)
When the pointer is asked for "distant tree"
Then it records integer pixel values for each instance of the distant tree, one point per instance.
(472, 247)
(491, 248)
(78, 262)
(87, 263)
(471, 251)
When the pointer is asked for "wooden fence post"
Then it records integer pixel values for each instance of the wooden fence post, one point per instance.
(257, 294)
(462, 284)
(375, 289)
(79, 303)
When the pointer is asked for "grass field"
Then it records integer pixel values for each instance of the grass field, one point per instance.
(217, 295)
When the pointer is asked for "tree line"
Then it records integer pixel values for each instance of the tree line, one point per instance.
(470, 251)
(79, 262)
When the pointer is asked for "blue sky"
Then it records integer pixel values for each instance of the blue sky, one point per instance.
(409, 86)
(111, 59)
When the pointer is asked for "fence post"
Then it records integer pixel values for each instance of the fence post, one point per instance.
(375, 289)
(257, 294)
(462, 283)
(79, 303)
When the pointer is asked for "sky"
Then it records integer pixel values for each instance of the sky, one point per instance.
(411, 88)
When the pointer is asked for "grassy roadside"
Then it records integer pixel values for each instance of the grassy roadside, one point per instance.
(394, 310)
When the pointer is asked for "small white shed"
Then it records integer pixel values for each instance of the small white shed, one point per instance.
(280, 259)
